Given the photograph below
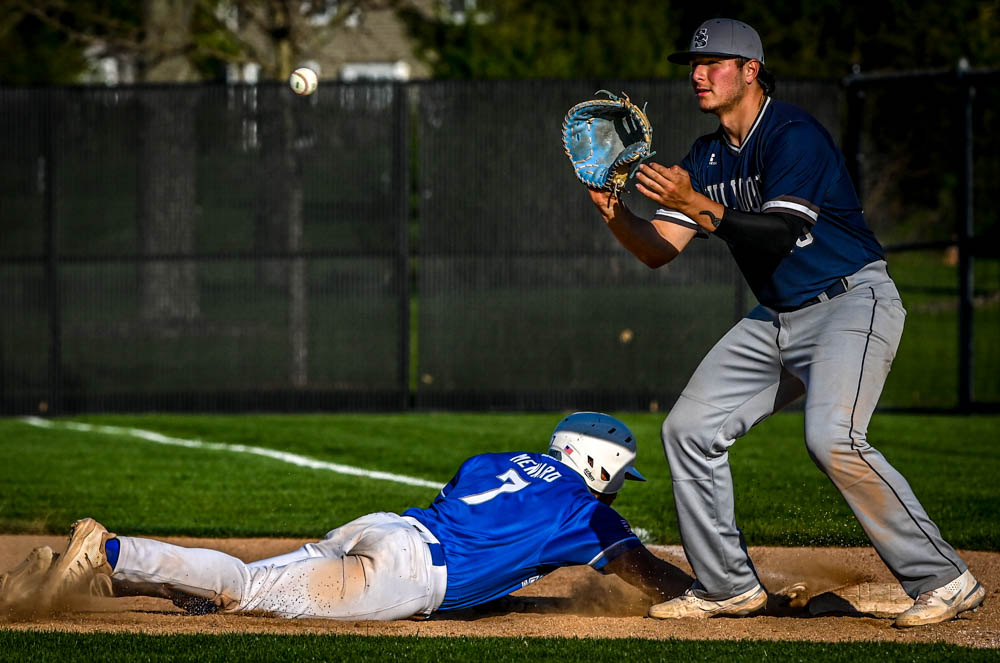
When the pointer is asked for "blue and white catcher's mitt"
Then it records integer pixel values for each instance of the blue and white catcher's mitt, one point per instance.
(606, 140)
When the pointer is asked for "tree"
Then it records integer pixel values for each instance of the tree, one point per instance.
(510, 39)
(35, 52)
(168, 290)
(493, 39)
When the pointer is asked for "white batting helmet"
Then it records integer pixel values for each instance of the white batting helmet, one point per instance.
(598, 447)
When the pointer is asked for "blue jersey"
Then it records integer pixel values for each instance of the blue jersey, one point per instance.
(788, 163)
(507, 519)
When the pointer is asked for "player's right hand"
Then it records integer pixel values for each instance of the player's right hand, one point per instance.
(670, 187)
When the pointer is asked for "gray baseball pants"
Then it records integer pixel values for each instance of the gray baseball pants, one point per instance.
(837, 353)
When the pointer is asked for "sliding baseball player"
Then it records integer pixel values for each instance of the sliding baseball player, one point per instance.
(502, 522)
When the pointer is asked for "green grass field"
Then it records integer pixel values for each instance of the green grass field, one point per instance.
(31, 647)
(52, 476)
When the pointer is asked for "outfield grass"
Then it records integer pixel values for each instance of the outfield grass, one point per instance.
(138, 487)
(33, 647)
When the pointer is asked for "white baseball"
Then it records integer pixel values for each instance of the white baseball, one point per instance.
(303, 81)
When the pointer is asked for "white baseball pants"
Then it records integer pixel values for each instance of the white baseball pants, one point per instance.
(376, 567)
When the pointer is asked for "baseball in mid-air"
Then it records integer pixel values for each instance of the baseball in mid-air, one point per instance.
(303, 81)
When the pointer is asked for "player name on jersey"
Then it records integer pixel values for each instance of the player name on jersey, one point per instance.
(542, 471)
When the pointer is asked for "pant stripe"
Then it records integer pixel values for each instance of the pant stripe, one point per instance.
(864, 355)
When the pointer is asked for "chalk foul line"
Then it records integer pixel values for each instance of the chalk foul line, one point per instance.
(283, 456)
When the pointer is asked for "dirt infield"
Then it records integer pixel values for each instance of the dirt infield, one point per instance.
(579, 602)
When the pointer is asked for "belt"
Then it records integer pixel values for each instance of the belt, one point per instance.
(437, 552)
(838, 288)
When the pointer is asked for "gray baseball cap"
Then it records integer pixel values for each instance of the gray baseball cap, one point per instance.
(725, 37)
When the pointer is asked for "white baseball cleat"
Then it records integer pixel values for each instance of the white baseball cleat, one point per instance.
(689, 605)
(83, 568)
(944, 603)
(23, 580)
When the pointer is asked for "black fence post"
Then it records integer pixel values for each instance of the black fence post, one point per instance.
(965, 232)
(853, 153)
(401, 169)
(53, 402)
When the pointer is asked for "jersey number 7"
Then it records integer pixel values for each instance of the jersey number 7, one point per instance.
(512, 482)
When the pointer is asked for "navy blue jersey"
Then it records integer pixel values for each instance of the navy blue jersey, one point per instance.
(507, 519)
(788, 163)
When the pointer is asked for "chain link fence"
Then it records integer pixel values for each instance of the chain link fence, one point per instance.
(394, 246)
(923, 147)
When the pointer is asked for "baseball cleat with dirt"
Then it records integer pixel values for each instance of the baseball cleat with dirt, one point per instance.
(83, 568)
(689, 605)
(944, 603)
(23, 580)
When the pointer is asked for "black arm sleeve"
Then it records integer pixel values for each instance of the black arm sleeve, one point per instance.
(773, 234)
(759, 242)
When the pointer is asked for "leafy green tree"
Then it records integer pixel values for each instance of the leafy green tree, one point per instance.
(172, 40)
(157, 34)
(496, 39)
(35, 52)
(825, 38)
(511, 39)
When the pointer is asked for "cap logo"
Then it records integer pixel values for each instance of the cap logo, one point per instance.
(700, 39)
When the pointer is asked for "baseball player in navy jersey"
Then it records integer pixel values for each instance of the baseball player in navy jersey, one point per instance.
(503, 521)
(772, 184)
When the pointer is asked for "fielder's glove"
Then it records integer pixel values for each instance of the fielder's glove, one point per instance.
(606, 140)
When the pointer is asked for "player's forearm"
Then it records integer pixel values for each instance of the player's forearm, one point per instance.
(663, 581)
(703, 210)
(657, 578)
(637, 235)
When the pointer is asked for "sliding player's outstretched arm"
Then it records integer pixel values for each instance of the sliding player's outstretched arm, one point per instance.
(657, 578)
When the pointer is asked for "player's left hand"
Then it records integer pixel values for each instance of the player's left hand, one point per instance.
(670, 187)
